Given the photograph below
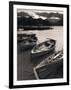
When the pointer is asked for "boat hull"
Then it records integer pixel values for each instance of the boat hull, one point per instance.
(29, 46)
(33, 55)
(51, 71)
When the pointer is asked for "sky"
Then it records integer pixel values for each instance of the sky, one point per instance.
(34, 14)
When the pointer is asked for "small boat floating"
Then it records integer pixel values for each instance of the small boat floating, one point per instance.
(49, 67)
(43, 48)
(28, 43)
(23, 36)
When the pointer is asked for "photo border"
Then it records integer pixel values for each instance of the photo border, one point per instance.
(11, 82)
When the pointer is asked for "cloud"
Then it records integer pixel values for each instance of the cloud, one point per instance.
(40, 14)
(31, 13)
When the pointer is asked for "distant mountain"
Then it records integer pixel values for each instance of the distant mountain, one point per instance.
(45, 19)
(48, 15)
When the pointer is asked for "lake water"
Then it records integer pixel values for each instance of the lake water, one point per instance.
(23, 61)
(56, 33)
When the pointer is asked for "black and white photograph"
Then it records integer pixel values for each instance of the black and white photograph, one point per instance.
(39, 44)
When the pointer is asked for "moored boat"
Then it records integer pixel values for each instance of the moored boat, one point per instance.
(51, 67)
(23, 36)
(43, 48)
(27, 43)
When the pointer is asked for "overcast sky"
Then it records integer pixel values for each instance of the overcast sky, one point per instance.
(34, 14)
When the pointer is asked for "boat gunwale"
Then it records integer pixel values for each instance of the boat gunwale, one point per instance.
(33, 52)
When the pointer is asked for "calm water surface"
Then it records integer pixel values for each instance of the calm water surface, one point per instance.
(55, 33)
(24, 73)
